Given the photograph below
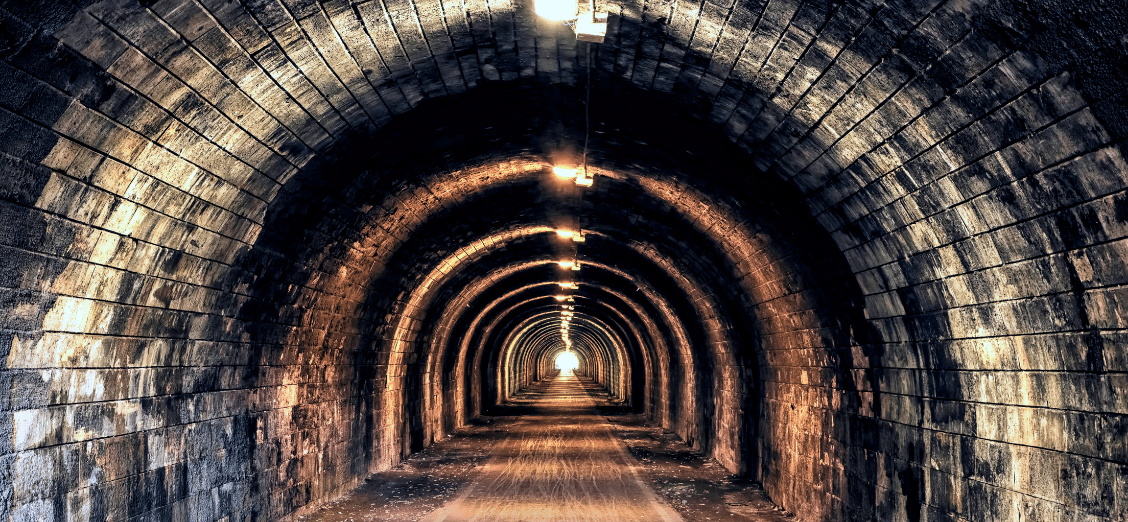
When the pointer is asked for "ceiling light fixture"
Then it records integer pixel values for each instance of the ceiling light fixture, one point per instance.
(565, 172)
(559, 10)
(566, 264)
(583, 179)
(593, 27)
(575, 235)
(589, 27)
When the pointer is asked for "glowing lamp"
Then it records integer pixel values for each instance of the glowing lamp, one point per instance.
(592, 28)
(556, 9)
(570, 286)
(564, 172)
(566, 264)
(560, 297)
(567, 362)
(565, 233)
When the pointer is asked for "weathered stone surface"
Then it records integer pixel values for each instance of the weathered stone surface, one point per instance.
(251, 252)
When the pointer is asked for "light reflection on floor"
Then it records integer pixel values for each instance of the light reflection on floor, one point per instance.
(561, 463)
(561, 451)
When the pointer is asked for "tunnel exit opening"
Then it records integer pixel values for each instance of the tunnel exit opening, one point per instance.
(567, 362)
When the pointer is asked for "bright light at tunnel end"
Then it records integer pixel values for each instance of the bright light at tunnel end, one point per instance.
(567, 362)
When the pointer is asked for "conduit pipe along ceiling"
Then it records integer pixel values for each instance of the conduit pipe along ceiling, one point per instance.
(871, 255)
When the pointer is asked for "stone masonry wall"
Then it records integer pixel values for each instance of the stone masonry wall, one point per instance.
(170, 352)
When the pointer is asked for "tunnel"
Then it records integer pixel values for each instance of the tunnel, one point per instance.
(868, 258)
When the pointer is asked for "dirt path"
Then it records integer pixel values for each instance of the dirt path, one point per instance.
(560, 462)
(560, 453)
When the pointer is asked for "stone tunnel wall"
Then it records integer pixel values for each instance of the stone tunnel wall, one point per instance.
(970, 195)
(970, 231)
(972, 178)
(132, 388)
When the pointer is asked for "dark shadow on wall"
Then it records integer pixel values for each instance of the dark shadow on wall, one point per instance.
(521, 117)
(497, 121)
(1069, 35)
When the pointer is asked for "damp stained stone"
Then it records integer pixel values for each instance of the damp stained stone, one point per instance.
(869, 259)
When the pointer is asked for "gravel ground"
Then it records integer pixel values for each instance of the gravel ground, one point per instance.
(697, 488)
(418, 485)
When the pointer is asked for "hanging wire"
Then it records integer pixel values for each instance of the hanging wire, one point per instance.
(587, 104)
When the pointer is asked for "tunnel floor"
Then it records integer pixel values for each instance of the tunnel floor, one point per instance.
(559, 451)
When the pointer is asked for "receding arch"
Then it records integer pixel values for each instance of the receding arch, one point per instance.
(904, 221)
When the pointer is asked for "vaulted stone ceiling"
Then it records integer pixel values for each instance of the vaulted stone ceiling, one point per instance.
(870, 254)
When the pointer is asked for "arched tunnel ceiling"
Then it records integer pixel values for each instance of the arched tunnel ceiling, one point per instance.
(870, 254)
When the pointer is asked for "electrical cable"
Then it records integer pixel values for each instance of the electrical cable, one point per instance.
(587, 105)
